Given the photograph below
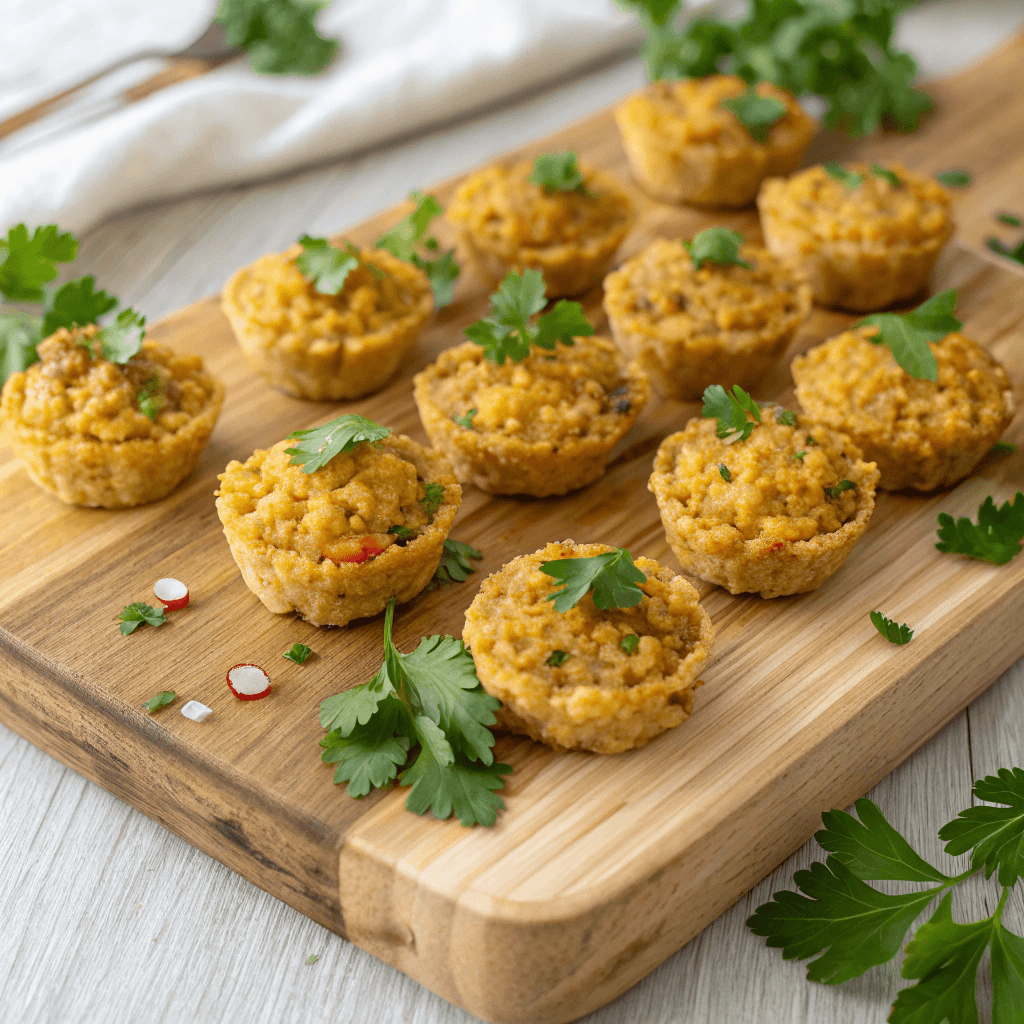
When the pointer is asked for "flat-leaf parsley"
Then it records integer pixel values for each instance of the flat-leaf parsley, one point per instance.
(139, 613)
(995, 538)
(893, 631)
(319, 445)
(612, 576)
(755, 112)
(716, 245)
(731, 409)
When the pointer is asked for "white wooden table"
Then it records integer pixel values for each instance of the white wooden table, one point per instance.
(107, 917)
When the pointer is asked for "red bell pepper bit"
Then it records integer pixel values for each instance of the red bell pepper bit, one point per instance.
(368, 548)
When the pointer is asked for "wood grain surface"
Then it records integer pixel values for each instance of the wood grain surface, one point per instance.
(601, 867)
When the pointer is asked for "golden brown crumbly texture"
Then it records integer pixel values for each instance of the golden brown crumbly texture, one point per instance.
(542, 427)
(601, 698)
(922, 434)
(771, 529)
(76, 423)
(285, 526)
(327, 347)
(685, 147)
(863, 248)
(690, 328)
(507, 223)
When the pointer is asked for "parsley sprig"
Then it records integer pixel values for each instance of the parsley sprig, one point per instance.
(280, 36)
(716, 245)
(851, 926)
(319, 445)
(611, 576)
(454, 566)
(755, 112)
(432, 698)
(995, 538)
(509, 332)
(138, 613)
(327, 266)
(558, 172)
(731, 409)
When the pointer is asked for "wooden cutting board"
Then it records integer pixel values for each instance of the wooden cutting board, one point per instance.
(601, 866)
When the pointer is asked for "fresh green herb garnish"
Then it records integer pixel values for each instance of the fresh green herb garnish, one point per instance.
(785, 416)
(798, 455)
(433, 498)
(843, 485)
(811, 441)
(159, 700)
(881, 172)
(327, 266)
(995, 538)
(730, 409)
(410, 234)
(723, 470)
(28, 262)
(630, 643)
(556, 658)
(1003, 448)
(149, 398)
(850, 179)
(1015, 253)
(612, 576)
(953, 179)
(1011, 219)
(466, 420)
(319, 445)
(431, 697)
(716, 245)
(136, 614)
(298, 653)
(401, 532)
(312, 958)
(894, 632)
(20, 333)
(76, 304)
(119, 341)
(755, 112)
(558, 172)
(454, 566)
(280, 36)
(508, 333)
(907, 335)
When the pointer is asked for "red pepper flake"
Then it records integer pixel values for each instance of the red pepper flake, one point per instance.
(778, 545)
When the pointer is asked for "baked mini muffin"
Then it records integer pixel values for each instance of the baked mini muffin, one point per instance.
(543, 426)
(507, 222)
(100, 433)
(863, 241)
(774, 514)
(688, 327)
(922, 434)
(684, 146)
(340, 542)
(587, 679)
(326, 347)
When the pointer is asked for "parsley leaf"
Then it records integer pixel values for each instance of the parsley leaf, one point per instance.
(893, 631)
(1016, 253)
(850, 179)
(843, 485)
(755, 112)
(1011, 219)
(19, 335)
(298, 653)
(558, 172)
(466, 420)
(1007, 965)
(996, 537)
(433, 497)
(27, 263)
(716, 245)
(785, 416)
(881, 172)
(319, 445)
(454, 566)
(121, 340)
(953, 179)
(280, 36)
(723, 470)
(798, 455)
(159, 700)
(134, 615)
(401, 532)
(369, 755)
(312, 958)
(76, 304)
(612, 576)
(556, 658)
(730, 409)
(907, 335)
(1003, 448)
(630, 643)
(149, 398)
(325, 265)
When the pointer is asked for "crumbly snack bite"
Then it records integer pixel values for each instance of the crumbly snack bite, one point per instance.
(77, 422)
(506, 222)
(922, 434)
(327, 347)
(862, 247)
(685, 147)
(544, 426)
(339, 543)
(688, 328)
(770, 514)
(600, 697)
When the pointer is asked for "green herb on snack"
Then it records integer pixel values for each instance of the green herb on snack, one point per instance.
(558, 172)
(843, 485)
(907, 335)
(995, 538)
(630, 643)
(811, 441)
(755, 112)
(279, 36)
(138, 613)
(953, 179)
(466, 420)
(401, 532)
(319, 445)
(798, 455)
(785, 416)
(1011, 219)
(730, 409)
(848, 178)
(556, 658)
(298, 653)
(149, 398)
(431, 697)
(716, 245)
(433, 498)
(326, 266)
(508, 332)
(122, 339)
(723, 471)
(159, 700)
(454, 566)
(76, 304)
(881, 172)
(894, 632)
(1003, 448)
(612, 576)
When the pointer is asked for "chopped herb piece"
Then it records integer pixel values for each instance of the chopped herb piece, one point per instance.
(894, 632)
(325, 265)
(995, 538)
(319, 445)
(716, 245)
(149, 398)
(19, 335)
(433, 498)
(881, 172)
(953, 179)
(730, 409)
(785, 416)
(556, 658)
(848, 178)
(1011, 219)
(723, 469)
(630, 643)
(279, 36)
(811, 441)
(134, 615)
(312, 958)
(27, 263)
(798, 455)
(612, 576)
(1016, 253)
(454, 566)
(298, 653)
(1003, 448)
(159, 700)
(755, 112)
(843, 485)
(76, 304)
(401, 532)
(466, 420)
(558, 172)
(122, 339)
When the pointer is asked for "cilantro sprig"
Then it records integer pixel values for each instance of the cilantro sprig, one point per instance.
(995, 538)
(298, 653)
(327, 266)
(509, 332)
(731, 409)
(280, 36)
(319, 445)
(851, 179)
(893, 631)
(558, 172)
(611, 576)
(138, 613)
(755, 112)
(431, 698)
(907, 335)
(716, 245)
(454, 566)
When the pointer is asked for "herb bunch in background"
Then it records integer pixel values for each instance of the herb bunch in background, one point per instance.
(280, 36)
(841, 51)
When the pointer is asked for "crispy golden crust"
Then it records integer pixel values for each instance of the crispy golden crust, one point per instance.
(327, 347)
(771, 529)
(922, 434)
(542, 427)
(507, 223)
(295, 536)
(76, 423)
(690, 328)
(863, 248)
(601, 698)
(685, 147)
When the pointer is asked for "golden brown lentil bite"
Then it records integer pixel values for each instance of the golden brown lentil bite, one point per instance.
(860, 248)
(507, 223)
(922, 434)
(690, 328)
(318, 543)
(542, 427)
(327, 347)
(685, 147)
(600, 698)
(76, 422)
(771, 527)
